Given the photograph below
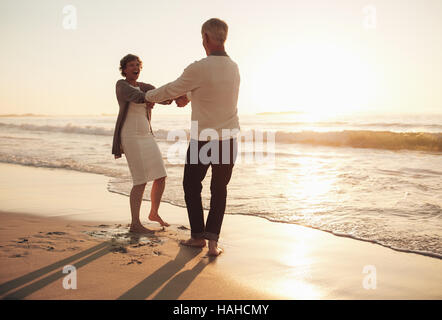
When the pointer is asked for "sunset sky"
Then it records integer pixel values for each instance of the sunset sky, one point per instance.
(317, 56)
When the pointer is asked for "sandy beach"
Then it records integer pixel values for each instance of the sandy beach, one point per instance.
(51, 218)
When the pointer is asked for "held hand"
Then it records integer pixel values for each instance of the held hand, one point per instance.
(149, 105)
(182, 101)
(166, 102)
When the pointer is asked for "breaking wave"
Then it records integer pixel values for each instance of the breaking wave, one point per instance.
(388, 140)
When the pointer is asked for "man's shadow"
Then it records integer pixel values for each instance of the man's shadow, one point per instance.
(176, 286)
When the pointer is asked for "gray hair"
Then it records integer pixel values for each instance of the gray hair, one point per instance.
(216, 29)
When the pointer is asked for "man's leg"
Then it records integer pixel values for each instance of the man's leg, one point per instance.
(221, 174)
(194, 174)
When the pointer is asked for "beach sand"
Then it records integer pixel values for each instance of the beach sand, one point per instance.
(52, 218)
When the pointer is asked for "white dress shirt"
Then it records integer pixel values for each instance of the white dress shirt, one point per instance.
(212, 84)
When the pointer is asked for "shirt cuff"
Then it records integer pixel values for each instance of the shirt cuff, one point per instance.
(146, 96)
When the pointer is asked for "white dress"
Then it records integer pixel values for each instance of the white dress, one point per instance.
(140, 148)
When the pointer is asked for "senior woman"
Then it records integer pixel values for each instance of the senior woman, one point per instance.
(133, 136)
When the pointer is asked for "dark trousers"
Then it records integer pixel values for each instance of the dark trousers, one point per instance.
(221, 156)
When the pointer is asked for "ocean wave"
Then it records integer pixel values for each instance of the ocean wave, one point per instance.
(23, 115)
(68, 128)
(349, 124)
(388, 140)
(421, 141)
(67, 164)
(401, 125)
(18, 138)
(73, 129)
(392, 242)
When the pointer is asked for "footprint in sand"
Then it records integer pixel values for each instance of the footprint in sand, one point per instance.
(135, 261)
(119, 249)
(19, 255)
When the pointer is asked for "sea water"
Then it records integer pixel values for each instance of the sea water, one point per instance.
(372, 178)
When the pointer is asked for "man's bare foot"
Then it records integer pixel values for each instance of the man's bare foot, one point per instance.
(214, 251)
(157, 218)
(199, 243)
(139, 228)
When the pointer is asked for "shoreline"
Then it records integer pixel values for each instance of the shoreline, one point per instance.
(420, 253)
(261, 259)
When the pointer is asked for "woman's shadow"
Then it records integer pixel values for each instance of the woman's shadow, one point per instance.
(176, 286)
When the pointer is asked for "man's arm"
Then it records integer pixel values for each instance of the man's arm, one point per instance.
(188, 81)
(146, 87)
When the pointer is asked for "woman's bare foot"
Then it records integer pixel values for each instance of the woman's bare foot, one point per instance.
(157, 218)
(199, 243)
(214, 251)
(139, 228)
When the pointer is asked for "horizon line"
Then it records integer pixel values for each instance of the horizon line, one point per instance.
(103, 114)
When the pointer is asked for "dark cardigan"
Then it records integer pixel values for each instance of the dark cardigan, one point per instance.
(126, 94)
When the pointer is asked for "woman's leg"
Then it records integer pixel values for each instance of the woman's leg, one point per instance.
(136, 197)
(155, 198)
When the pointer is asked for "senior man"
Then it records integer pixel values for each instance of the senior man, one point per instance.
(212, 84)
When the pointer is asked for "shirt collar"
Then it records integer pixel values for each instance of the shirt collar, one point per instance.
(218, 53)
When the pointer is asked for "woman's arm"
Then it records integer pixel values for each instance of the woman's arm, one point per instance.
(128, 93)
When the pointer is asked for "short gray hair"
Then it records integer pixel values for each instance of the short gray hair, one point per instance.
(216, 29)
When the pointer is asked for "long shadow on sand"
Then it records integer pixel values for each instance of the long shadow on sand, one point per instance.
(18, 282)
(176, 286)
(97, 252)
(28, 284)
(89, 255)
